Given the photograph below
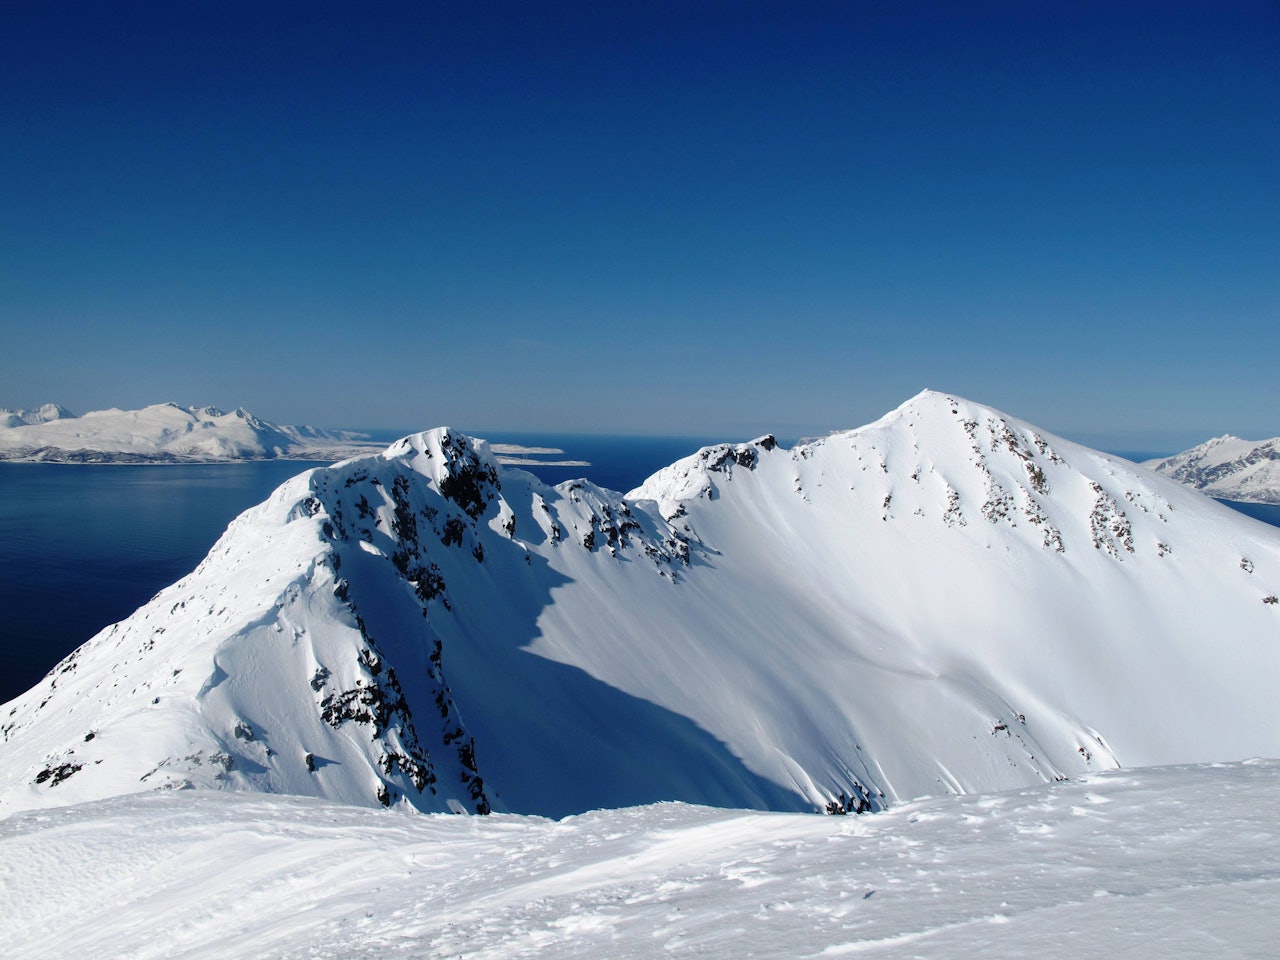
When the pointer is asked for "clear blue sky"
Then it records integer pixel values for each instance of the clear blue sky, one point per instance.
(692, 218)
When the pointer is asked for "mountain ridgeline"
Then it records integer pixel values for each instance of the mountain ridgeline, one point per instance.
(1228, 468)
(946, 600)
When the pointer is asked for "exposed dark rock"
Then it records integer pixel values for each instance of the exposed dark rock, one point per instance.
(453, 532)
(468, 483)
(54, 775)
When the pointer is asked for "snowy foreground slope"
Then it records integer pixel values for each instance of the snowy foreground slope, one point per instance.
(1158, 862)
(947, 600)
(164, 433)
(1228, 468)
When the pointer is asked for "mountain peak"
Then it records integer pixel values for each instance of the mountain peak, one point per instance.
(931, 407)
(926, 604)
(1228, 467)
(935, 403)
(52, 411)
(45, 413)
(462, 468)
(929, 395)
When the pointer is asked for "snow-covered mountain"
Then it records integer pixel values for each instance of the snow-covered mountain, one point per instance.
(946, 600)
(42, 414)
(1132, 864)
(1228, 468)
(164, 433)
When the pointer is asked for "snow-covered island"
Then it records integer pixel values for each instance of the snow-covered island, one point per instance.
(166, 433)
(169, 433)
(1228, 468)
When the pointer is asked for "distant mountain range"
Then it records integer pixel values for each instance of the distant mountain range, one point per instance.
(21, 418)
(1228, 468)
(165, 433)
(948, 600)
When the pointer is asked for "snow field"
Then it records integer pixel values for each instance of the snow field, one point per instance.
(1157, 862)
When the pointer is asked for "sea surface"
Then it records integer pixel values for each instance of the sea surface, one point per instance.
(82, 546)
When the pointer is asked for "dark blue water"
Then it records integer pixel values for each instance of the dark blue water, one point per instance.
(1266, 512)
(1141, 456)
(82, 546)
(617, 463)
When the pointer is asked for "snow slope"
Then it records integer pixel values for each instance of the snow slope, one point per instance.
(1160, 862)
(947, 600)
(1228, 468)
(164, 433)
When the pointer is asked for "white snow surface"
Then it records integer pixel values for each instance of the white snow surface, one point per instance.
(165, 433)
(948, 600)
(1228, 468)
(1159, 862)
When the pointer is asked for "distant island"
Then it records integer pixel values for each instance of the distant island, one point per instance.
(171, 433)
(166, 433)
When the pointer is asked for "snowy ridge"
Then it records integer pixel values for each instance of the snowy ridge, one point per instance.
(164, 433)
(1228, 468)
(947, 600)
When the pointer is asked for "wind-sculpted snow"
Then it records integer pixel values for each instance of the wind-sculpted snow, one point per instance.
(1228, 468)
(1162, 862)
(947, 600)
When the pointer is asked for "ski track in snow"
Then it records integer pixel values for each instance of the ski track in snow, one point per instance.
(1139, 863)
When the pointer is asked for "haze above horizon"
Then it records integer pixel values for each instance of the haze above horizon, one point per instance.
(646, 218)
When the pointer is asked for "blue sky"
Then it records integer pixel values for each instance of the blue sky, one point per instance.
(665, 218)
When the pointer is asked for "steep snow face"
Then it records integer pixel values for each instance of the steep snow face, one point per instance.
(947, 600)
(164, 432)
(1229, 468)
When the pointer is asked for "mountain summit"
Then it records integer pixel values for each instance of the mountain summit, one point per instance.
(946, 600)
(42, 414)
(1228, 467)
